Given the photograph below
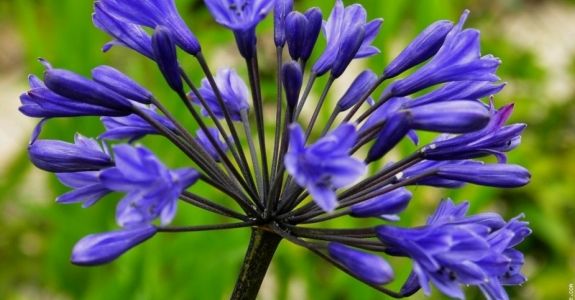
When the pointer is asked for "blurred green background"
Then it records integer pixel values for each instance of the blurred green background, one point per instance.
(535, 40)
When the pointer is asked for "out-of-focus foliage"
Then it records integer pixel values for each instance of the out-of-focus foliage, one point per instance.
(36, 235)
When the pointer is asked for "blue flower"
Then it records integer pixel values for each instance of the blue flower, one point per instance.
(41, 102)
(359, 87)
(458, 116)
(124, 33)
(71, 85)
(458, 59)
(166, 56)
(87, 188)
(292, 78)
(324, 166)
(207, 144)
(454, 249)
(496, 175)
(241, 16)
(281, 9)
(234, 92)
(387, 205)
(302, 32)
(61, 157)
(133, 127)
(495, 139)
(423, 47)
(341, 22)
(97, 249)
(368, 267)
(121, 84)
(152, 14)
(152, 190)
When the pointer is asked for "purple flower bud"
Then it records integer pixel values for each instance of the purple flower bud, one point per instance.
(494, 139)
(87, 188)
(314, 25)
(153, 14)
(351, 43)
(97, 249)
(390, 203)
(281, 10)
(296, 31)
(459, 90)
(451, 116)
(361, 85)
(124, 33)
(234, 92)
(395, 128)
(167, 57)
(423, 47)
(79, 88)
(61, 157)
(40, 102)
(121, 84)
(496, 175)
(368, 267)
(292, 78)
(207, 144)
(133, 127)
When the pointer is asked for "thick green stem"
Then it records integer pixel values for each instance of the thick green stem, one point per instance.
(263, 245)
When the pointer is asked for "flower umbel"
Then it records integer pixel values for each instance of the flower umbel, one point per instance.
(315, 172)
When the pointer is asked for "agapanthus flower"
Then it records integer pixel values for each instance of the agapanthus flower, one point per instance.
(454, 249)
(151, 189)
(325, 165)
(133, 127)
(342, 25)
(234, 92)
(313, 173)
(152, 14)
(241, 16)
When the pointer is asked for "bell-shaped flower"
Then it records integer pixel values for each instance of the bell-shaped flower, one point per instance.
(434, 180)
(454, 249)
(151, 189)
(204, 140)
(41, 102)
(61, 157)
(458, 59)
(281, 9)
(121, 84)
(124, 33)
(493, 139)
(167, 58)
(422, 48)
(234, 92)
(340, 22)
(292, 78)
(366, 266)
(242, 17)
(87, 188)
(133, 127)
(386, 205)
(101, 248)
(152, 14)
(324, 166)
(358, 88)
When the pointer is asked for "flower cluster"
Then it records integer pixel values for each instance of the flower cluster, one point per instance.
(313, 174)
